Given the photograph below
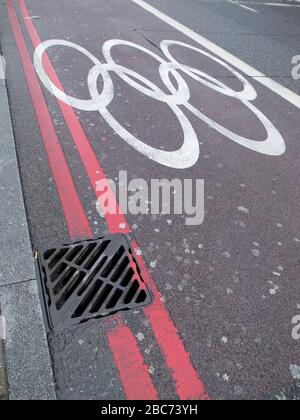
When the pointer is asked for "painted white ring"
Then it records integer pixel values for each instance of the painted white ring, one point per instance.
(248, 93)
(182, 158)
(180, 96)
(82, 104)
(274, 145)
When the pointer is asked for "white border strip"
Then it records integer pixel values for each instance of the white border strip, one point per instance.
(237, 3)
(282, 91)
(2, 68)
(2, 329)
(272, 4)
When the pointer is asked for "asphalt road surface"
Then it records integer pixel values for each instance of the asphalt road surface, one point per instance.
(224, 292)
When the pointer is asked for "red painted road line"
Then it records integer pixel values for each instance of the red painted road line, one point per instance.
(116, 223)
(74, 213)
(122, 340)
(188, 384)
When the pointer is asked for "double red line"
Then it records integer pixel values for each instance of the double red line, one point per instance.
(132, 369)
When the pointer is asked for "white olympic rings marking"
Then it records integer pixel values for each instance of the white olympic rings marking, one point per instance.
(189, 152)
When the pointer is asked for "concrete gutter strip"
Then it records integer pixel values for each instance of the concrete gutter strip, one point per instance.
(3, 381)
(28, 364)
(27, 359)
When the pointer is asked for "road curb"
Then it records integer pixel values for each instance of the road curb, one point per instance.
(3, 379)
(27, 359)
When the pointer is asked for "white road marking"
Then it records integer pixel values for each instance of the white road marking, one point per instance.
(271, 4)
(32, 17)
(2, 328)
(295, 371)
(177, 99)
(250, 71)
(242, 5)
(247, 8)
(2, 68)
(182, 158)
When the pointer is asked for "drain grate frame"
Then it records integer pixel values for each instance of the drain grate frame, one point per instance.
(90, 279)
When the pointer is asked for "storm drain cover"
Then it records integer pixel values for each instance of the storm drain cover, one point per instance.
(91, 279)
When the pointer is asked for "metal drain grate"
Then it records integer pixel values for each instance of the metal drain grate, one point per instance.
(91, 279)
